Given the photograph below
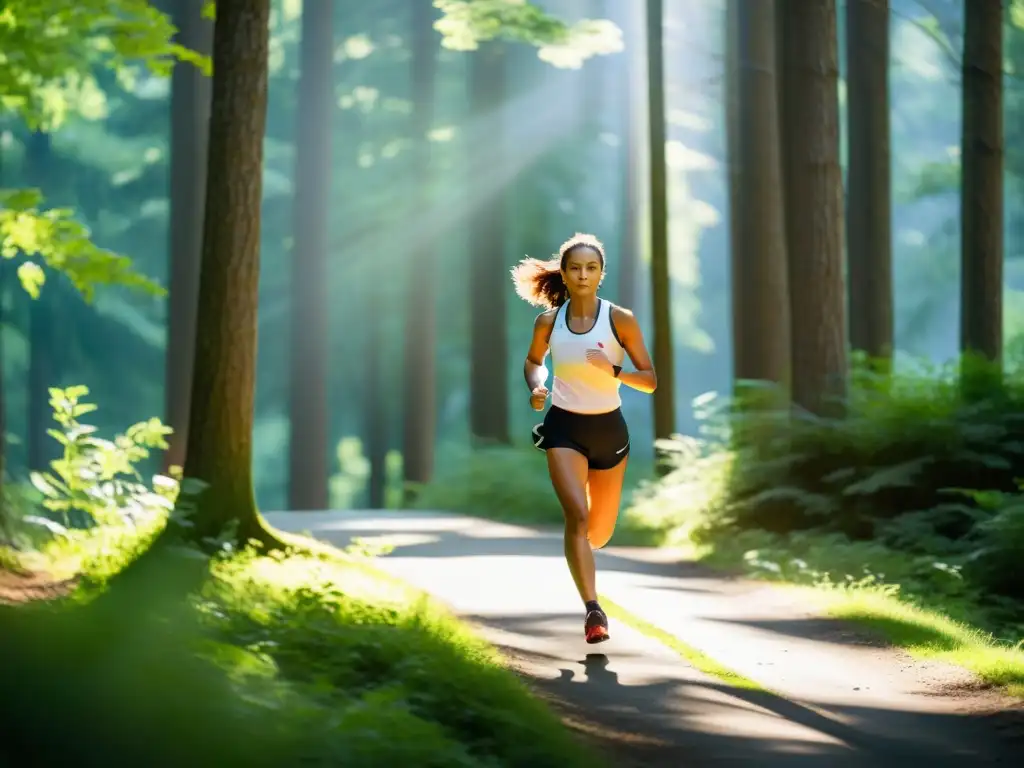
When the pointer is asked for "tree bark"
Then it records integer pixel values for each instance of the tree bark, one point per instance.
(190, 120)
(308, 446)
(488, 386)
(869, 204)
(420, 390)
(5, 533)
(664, 395)
(41, 329)
(812, 182)
(375, 426)
(219, 448)
(981, 195)
(631, 95)
(760, 290)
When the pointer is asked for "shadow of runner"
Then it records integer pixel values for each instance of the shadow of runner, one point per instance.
(659, 723)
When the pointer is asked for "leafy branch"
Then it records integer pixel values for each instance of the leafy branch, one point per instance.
(467, 23)
(62, 244)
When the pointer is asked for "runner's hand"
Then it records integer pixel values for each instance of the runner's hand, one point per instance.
(538, 397)
(599, 360)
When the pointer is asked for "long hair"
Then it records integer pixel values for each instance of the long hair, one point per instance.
(540, 283)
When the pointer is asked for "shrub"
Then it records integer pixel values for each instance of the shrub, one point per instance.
(889, 471)
(503, 483)
(95, 484)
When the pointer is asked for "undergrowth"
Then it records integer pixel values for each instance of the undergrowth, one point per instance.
(912, 490)
(511, 484)
(506, 483)
(311, 659)
(279, 660)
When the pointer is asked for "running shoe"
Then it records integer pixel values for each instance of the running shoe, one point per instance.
(596, 627)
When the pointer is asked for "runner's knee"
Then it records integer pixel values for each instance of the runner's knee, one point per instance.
(577, 519)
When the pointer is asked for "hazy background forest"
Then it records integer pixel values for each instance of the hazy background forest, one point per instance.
(413, 152)
(570, 155)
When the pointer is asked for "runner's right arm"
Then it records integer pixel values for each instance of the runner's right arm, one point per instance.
(534, 370)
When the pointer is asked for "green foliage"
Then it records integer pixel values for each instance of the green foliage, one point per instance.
(281, 660)
(467, 23)
(511, 485)
(63, 245)
(51, 50)
(50, 54)
(875, 495)
(349, 486)
(407, 681)
(937, 178)
(508, 484)
(99, 477)
(998, 540)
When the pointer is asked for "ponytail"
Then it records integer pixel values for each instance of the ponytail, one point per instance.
(540, 282)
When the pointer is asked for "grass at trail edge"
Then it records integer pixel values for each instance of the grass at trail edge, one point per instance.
(313, 660)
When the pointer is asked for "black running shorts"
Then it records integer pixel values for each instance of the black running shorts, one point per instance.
(602, 437)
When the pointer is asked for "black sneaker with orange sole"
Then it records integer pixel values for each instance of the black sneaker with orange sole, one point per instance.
(595, 628)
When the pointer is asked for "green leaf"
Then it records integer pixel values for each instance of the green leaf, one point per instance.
(32, 278)
(50, 50)
(62, 244)
(467, 23)
(898, 475)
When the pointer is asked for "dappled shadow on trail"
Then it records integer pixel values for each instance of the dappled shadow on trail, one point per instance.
(670, 720)
(428, 539)
(822, 630)
(844, 698)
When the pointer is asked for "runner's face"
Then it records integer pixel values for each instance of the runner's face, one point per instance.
(582, 271)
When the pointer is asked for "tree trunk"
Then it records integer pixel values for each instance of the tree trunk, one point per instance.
(41, 373)
(630, 97)
(219, 449)
(981, 196)
(5, 533)
(812, 180)
(869, 206)
(308, 446)
(488, 268)
(190, 120)
(664, 395)
(760, 291)
(375, 425)
(420, 385)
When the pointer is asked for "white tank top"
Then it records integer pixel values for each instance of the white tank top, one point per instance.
(579, 386)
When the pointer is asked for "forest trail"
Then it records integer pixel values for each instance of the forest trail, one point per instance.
(840, 698)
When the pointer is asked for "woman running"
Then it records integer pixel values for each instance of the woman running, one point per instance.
(583, 433)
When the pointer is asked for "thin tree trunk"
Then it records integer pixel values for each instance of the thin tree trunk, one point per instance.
(813, 203)
(760, 292)
(630, 96)
(41, 364)
(981, 196)
(375, 427)
(308, 446)
(664, 395)
(190, 119)
(488, 268)
(5, 533)
(869, 204)
(420, 385)
(219, 449)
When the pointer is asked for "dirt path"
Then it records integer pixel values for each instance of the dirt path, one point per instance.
(842, 699)
(26, 587)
